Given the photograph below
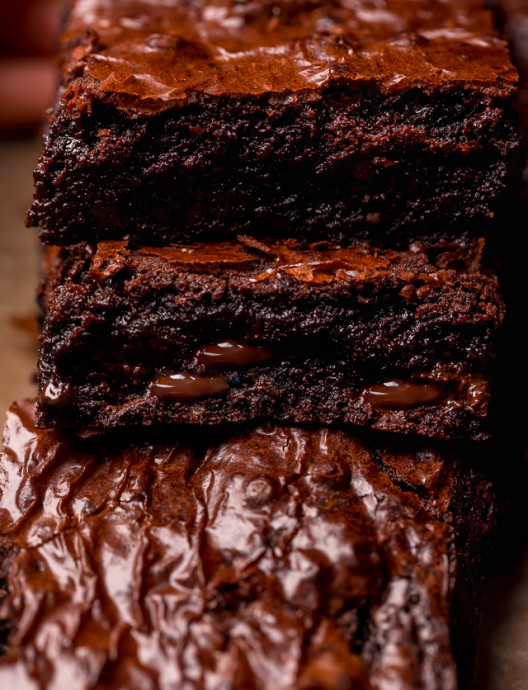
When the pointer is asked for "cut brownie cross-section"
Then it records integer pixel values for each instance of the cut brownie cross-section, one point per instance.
(213, 333)
(183, 121)
(279, 558)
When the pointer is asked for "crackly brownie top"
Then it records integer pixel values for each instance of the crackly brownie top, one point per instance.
(275, 558)
(320, 262)
(260, 267)
(149, 55)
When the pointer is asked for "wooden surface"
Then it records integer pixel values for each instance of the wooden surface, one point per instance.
(503, 648)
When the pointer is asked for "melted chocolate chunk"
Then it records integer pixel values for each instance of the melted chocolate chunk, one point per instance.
(401, 395)
(56, 395)
(348, 120)
(186, 386)
(231, 353)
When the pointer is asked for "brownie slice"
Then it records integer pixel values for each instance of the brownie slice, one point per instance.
(175, 122)
(213, 333)
(278, 558)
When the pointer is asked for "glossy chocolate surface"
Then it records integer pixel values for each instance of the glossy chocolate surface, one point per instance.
(401, 395)
(186, 386)
(152, 55)
(231, 353)
(276, 558)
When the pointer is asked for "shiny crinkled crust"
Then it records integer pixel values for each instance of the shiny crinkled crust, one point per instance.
(275, 558)
(149, 55)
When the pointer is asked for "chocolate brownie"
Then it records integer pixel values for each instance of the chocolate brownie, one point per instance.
(278, 558)
(183, 121)
(213, 333)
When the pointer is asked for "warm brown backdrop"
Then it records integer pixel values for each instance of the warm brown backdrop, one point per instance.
(19, 250)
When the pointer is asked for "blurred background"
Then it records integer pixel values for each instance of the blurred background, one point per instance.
(28, 79)
(28, 30)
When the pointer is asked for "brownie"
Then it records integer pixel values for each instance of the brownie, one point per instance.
(385, 121)
(213, 333)
(277, 558)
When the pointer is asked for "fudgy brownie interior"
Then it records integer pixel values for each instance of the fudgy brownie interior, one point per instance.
(346, 121)
(214, 333)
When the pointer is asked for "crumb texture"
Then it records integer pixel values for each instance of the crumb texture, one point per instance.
(326, 325)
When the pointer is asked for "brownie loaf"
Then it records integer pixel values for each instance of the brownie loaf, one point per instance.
(182, 121)
(278, 558)
(213, 333)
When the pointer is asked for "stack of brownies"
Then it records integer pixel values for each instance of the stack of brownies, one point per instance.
(260, 214)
